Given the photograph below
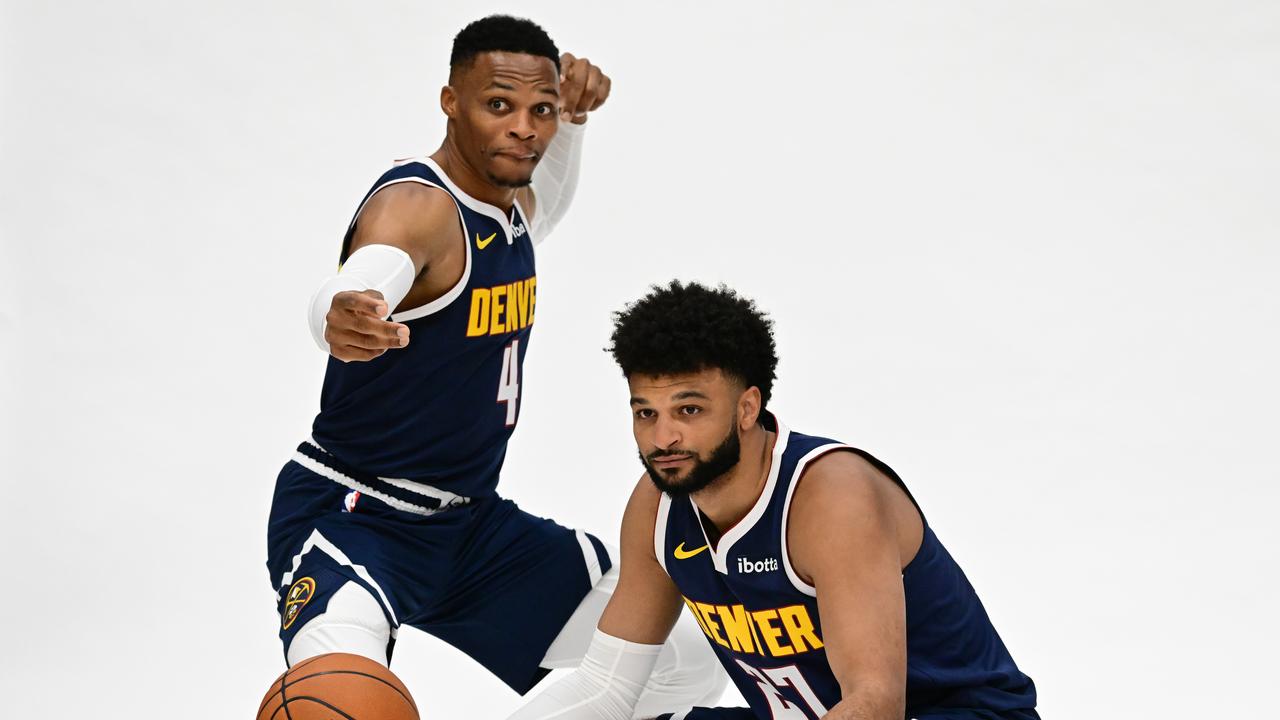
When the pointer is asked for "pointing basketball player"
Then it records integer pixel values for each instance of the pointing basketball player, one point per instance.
(388, 514)
(807, 564)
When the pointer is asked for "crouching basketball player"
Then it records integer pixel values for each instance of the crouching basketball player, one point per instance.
(806, 562)
(388, 515)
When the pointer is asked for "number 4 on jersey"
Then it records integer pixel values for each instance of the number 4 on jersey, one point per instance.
(509, 380)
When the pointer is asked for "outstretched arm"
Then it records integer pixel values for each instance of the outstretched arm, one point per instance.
(402, 231)
(636, 622)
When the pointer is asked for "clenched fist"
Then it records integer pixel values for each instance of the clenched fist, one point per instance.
(583, 88)
(355, 330)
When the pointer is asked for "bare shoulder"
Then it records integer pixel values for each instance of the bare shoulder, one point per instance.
(840, 482)
(641, 514)
(408, 213)
(845, 501)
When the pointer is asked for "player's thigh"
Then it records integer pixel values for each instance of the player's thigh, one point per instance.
(570, 644)
(300, 501)
(517, 581)
(327, 568)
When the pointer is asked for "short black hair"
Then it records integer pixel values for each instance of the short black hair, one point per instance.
(502, 33)
(686, 328)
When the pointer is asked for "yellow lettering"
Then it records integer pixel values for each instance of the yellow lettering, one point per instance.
(497, 324)
(479, 322)
(522, 305)
(799, 628)
(707, 612)
(771, 633)
(737, 625)
(533, 297)
(697, 616)
(513, 307)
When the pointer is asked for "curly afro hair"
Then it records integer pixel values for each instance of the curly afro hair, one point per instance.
(502, 33)
(685, 328)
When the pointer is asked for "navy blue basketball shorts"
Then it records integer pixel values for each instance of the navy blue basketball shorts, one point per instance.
(486, 577)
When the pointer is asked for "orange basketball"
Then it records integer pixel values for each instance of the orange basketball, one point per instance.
(338, 686)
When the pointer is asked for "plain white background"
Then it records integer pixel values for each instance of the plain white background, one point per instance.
(1026, 252)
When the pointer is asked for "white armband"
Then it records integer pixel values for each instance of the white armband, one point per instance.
(384, 268)
(606, 686)
(556, 178)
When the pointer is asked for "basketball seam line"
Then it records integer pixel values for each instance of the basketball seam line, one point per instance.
(267, 699)
(362, 674)
(284, 699)
(321, 702)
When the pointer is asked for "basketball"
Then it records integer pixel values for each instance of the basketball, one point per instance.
(338, 685)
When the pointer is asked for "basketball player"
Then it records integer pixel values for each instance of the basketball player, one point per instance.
(807, 564)
(388, 516)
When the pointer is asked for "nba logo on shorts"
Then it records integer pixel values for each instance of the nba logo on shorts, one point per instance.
(349, 502)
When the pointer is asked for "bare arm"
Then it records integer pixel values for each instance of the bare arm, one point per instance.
(418, 219)
(850, 534)
(646, 604)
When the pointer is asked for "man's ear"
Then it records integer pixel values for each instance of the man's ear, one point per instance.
(748, 408)
(449, 102)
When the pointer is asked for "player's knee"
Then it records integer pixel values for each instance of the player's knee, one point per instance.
(353, 622)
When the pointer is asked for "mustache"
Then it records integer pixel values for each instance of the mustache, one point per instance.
(657, 454)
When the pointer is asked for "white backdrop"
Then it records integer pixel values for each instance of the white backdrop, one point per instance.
(1026, 252)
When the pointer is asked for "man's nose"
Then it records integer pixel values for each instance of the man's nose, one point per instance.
(522, 129)
(666, 434)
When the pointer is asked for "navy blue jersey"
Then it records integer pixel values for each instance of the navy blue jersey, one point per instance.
(762, 619)
(440, 411)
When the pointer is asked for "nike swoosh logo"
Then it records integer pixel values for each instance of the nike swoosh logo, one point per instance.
(482, 244)
(682, 554)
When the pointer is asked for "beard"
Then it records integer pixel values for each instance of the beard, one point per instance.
(512, 178)
(513, 183)
(703, 473)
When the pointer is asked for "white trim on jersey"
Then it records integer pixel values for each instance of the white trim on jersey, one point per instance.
(743, 526)
(316, 540)
(484, 208)
(443, 301)
(812, 455)
(528, 226)
(453, 292)
(660, 531)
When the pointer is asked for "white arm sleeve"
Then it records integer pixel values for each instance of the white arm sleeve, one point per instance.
(556, 178)
(606, 686)
(384, 268)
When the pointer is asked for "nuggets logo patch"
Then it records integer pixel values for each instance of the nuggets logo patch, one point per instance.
(297, 598)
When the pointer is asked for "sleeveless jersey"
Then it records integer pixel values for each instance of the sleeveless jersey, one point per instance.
(440, 411)
(763, 622)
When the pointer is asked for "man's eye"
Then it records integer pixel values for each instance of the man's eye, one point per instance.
(544, 110)
(497, 104)
(644, 414)
(690, 410)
